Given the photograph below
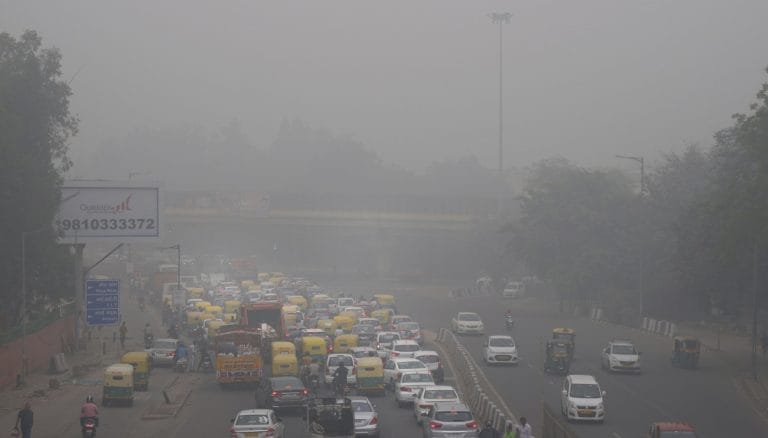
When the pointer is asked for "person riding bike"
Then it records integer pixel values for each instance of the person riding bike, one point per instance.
(89, 410)
(340, 378)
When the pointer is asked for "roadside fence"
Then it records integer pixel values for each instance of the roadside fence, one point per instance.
(553, 424)
(648, 325)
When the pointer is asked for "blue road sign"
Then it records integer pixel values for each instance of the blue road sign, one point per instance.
(102, 302)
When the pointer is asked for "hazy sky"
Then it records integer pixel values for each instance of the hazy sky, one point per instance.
(414, 80)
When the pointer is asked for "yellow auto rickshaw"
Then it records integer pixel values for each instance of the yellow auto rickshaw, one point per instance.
(315, 346)
(229, 317)
(195, 318)
(141, 365)
(297, 300)
(685, 352)
(343, 343)
(370, 375)
(355, 317)
(231, 306)
(384, 299)
(290, 314)
(285, 365)
(327, 325)
(246, 284)
(344, 322)
(195, 292)
(566, 335)
(215, 310)
(382, 315)
(202, 305)
(283, 347)
(320, 298)
(118, 384)
(263, 276)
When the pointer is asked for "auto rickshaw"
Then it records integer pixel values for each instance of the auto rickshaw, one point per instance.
(284, 365)
(345, 322)
(370, 375)
(558, 356)
(283, 347)
(384, 299)
(195, 292)
(202, 305)
(141, 366)
(194, 318)
(382, 315)
(231, 306)
(229, 317)
(214, 326)
(343, 343)
(297, 300)
(316, 347)
(685, 352)
(327, 325)
(566, 335)
(215, 310)
(290, 314)
(118, 384)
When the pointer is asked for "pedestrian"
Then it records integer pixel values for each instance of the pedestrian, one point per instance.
(123, 334)
(24, 421)
(489, 431)
(523, 430)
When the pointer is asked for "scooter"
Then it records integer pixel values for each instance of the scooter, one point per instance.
(89, 428)
(510, 322)
(205, 363)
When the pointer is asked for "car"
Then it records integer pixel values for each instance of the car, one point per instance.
(467, 322)
(448, 420)
(359, 352)
(671, 429)
(408, 383)
(621, 356)
(394, 367)
(410, 330)
(433, 362)
(513, 289)
(281, 392)
(404, 348)
(357, 311)
(163, 351)
(427, 396)
(366, 334)
(500, 349)
(582, 398)
(373, 322)
(384, 342)
(334, 361)
(366, 417)
(397, 319)
(257, 422)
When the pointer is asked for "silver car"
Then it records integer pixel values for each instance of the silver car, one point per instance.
(450, 420)
(163, 351)
(256, 423)
(366, 417)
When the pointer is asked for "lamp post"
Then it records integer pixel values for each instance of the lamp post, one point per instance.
(641, 160)
(501, 18)
(641, 287)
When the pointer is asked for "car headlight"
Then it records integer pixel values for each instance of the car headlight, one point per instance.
(613, 361)
(571, 405)
(600, 406)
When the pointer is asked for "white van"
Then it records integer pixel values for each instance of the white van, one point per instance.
(582, 398)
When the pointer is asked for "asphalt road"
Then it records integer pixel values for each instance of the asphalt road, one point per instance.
(706, 397)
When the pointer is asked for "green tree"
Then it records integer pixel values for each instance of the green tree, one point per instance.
(35, 126)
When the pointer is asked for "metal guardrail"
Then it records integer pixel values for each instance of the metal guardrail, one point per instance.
(553, 424)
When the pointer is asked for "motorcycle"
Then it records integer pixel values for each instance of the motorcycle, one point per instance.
(89, 427)
(510, 322)
(205, 363)
(181, 365)
(314, 384)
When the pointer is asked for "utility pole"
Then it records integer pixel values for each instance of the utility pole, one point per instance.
(641, 286)
(501, 18)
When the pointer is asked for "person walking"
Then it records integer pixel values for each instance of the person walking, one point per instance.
(24, 421)
(123, 334)
(522, 430)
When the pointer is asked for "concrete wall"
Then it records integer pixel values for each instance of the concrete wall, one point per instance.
(39, 347)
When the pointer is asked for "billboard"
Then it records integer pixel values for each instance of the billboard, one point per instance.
(103, 211)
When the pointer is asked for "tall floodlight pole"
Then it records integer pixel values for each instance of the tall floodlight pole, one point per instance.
(641, 161)
(501, 18)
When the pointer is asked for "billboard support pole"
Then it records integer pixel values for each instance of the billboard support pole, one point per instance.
(79, 292)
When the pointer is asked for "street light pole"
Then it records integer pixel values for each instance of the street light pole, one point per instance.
(641, 281)
(501, 18)
(641, 161)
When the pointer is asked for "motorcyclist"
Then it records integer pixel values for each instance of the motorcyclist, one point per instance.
(306, 359)
(340, 378)
(89, 410)
(181, 353)
(315, 370)
(488, 431)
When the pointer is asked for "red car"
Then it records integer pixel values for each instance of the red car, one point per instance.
(671, 429)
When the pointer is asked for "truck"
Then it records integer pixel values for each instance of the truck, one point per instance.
(238, 356)
(253, 315)
(160, 278)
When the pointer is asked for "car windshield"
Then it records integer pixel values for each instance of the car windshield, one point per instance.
(429, 358)
(676, 434)
(361, 406)
(585, 390)
(286, 383)
(251, 420)
(417, 377)
(365, 329)
(164, 345)
(501, 342)
(440, 394)
(453, 416)
(468, 317)
(335, 361)
(410, 365)
(407, 347)
(388, 337)
(624, 349)
(408, 326)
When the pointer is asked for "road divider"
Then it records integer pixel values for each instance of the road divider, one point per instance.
(648, 325)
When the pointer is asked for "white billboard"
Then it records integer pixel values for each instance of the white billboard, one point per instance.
(103, 211)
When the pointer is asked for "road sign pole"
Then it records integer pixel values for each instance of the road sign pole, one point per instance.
(79, 293)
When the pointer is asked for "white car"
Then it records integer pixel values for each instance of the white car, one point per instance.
(334, 360)
(433, 362)
(621, 356)
(397, 319)
(427, 396)
(384, 342)
(404, 348)
(408, 385)
(257, 422)
(357, 311)
(582, 398)
(467, 322)
(393, 368)
(500, 349)
(410, 330)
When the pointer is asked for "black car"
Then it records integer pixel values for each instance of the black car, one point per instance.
(365, 333)
(281, 392)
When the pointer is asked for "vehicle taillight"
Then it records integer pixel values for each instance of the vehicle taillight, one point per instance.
(232, 432)
(378, 346)
(405, 389)
(394, 354)
(172, 354)
(374, 420)
(304, 392)
(270, 432)
(472, 425)
(435, 425)
(425, 406)
(275, 394)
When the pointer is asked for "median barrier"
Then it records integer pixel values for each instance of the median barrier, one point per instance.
(501, 423)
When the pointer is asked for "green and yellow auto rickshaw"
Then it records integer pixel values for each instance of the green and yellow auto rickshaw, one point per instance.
(140, 361)
(685, 352)
(118, 385)
(370, 375)
(557, 356)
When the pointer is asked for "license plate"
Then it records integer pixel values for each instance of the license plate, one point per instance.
(586, 413)
(503, 357)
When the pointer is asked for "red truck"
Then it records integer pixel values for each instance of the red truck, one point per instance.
(253, 315)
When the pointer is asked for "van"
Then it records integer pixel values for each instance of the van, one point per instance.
(582, 398)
